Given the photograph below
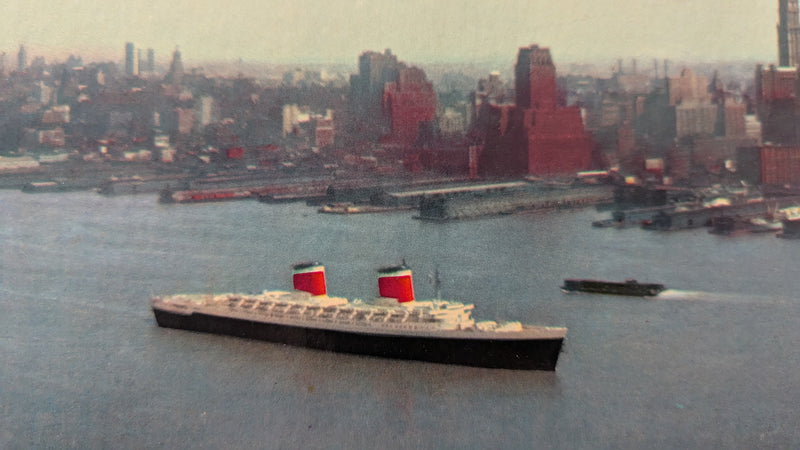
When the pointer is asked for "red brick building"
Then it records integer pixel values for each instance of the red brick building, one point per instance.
(777, 83)
(409, 102)
(778, 103)
(780, 165)
(556, 140)
(324, 130)
(538, 135)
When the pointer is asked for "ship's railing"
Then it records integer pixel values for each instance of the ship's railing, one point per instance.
(436, 314)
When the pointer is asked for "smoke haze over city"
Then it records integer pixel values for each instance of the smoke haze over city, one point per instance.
(422, 31)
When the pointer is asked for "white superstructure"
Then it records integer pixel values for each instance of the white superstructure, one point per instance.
(385, 315)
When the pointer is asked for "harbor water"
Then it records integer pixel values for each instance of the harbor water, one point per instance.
(711, 362)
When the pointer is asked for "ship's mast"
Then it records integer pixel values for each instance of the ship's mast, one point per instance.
(434, 277)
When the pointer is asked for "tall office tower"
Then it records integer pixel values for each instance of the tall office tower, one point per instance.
(151, 60)
(374, 71)
(130, 59)
(542, 137)
(543, 90)
(535, 78)
(22, 59)
(175, 74)
(557, 142)
(366, 91)
(788, 33)
(522, 77)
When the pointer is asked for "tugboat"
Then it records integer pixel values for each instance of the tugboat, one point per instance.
(791, 223)
(727, 225)
(628, 287)
(395, 325)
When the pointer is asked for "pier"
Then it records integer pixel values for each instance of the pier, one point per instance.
(488, 200)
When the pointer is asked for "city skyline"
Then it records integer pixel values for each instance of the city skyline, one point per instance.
(336, 32)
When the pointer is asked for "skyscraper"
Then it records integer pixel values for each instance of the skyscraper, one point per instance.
(788, 33)
(557, 142)
(151, 60)
(366, 92)
(522, 77)
(539, 135)
(130, 60)
(175, 74)
(542, 80)
(22, 58)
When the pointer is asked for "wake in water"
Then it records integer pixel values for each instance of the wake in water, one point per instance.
(139, 310)
(726, 297)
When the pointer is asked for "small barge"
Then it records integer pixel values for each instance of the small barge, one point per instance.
(627, 287)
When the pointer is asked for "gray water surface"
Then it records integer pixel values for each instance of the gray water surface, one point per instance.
(711, 362)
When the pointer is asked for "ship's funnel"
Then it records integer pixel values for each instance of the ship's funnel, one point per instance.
(396, 282)
(309, 277)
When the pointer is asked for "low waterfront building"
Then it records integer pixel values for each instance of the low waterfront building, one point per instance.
(53, 158)
(138, 155)
(18, 164)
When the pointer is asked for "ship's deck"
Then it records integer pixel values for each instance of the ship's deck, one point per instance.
(296, 310)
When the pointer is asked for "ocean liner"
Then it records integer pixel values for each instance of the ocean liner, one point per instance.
(395, 325)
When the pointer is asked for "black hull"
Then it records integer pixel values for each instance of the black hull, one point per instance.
(519, 354)
(630, 288)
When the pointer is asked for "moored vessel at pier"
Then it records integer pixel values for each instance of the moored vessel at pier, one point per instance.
(208, 195)
(791, 223)
(395, 325)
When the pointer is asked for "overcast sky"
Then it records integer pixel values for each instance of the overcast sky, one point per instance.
(418, 31)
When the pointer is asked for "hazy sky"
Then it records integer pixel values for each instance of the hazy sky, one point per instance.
(416, 30)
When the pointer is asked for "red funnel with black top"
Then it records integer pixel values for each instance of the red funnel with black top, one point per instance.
(395, 282)
(309, 277)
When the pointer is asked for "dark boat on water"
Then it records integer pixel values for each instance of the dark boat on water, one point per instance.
(627, 287)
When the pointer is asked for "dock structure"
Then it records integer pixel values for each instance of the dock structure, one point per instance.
(270, 193)
(416, 196)
(308, 191)
(702, 217)
(141, 185)
(507, 198)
